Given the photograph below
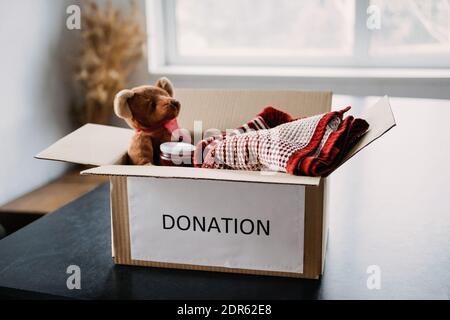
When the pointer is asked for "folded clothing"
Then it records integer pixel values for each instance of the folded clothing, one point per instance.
(274, 141)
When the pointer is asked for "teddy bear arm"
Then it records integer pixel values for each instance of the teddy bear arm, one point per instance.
(140, 150)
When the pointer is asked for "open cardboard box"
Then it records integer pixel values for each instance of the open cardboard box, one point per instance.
(215, 220)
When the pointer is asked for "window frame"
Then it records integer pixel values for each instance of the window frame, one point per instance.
(161, 24)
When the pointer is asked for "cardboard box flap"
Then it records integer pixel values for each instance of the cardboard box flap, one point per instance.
(91, 145)
(229, 109)
(205, 174)
(380, 119)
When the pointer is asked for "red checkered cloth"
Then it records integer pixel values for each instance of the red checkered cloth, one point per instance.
(274, 141)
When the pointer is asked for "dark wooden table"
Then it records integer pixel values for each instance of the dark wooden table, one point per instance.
(389, 207)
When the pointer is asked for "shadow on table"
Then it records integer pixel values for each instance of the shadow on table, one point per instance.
(130, 282)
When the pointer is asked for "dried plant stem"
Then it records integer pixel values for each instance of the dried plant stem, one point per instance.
(111, 46)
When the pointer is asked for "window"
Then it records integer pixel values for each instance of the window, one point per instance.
(303, 33)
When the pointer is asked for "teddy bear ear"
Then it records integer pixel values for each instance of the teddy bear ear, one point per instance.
(166, 85)
(121, 107)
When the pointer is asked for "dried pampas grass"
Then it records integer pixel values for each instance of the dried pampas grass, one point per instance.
(112, 42)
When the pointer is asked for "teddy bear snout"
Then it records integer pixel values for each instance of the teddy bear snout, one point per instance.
(175, 104)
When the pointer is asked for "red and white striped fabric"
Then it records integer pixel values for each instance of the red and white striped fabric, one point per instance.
(274, 141)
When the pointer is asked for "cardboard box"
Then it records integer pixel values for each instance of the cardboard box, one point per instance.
(215, 220)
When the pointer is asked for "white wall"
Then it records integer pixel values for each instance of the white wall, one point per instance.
(35, 91)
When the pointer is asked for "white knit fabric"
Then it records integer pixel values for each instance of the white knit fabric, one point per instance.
(268, 149)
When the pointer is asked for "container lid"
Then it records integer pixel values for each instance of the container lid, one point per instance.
(176, 148)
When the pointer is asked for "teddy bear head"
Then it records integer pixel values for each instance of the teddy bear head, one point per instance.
(147, 107)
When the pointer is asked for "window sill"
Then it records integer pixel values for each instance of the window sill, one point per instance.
(296, 72)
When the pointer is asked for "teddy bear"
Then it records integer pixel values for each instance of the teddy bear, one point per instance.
(152, 112)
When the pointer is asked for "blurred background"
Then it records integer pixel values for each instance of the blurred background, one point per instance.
(63, 61)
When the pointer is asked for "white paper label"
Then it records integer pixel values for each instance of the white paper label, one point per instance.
(217, 223)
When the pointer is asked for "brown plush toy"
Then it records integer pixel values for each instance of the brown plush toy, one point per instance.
(151, 111)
